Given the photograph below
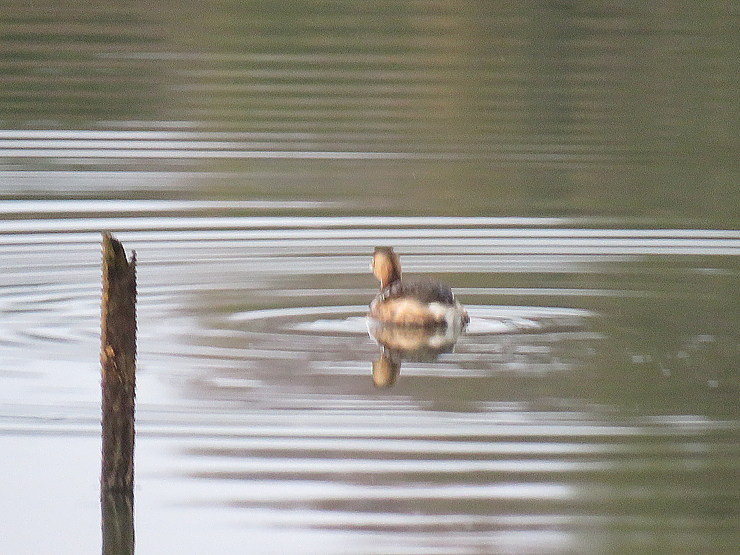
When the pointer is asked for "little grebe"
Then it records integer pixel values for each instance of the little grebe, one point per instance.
(412, 303)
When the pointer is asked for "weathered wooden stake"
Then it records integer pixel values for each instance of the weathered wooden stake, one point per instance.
(118, 362)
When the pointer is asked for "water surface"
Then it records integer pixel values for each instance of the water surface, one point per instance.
(569, 171)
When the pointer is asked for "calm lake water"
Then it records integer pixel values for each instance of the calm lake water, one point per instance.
(570, 170)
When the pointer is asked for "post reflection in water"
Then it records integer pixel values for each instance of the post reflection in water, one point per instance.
(117, 523)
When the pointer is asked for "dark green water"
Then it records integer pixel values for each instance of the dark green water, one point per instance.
(570, 170)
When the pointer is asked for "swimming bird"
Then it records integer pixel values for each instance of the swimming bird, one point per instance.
(417, 303)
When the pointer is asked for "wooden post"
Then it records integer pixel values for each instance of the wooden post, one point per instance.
(118, 365)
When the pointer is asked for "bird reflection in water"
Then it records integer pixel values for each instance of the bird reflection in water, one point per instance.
(398, 344)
